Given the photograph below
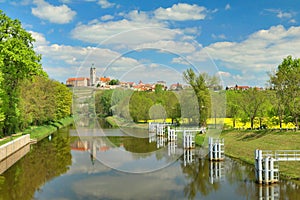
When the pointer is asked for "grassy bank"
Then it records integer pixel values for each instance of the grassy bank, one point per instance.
(40, 132)
(242, 144)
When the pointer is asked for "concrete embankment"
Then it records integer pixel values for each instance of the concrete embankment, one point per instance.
(12, 151)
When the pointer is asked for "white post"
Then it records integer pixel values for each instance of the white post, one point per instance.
(261, 193)
(219, 149)
(272, 170)
(259, 166)
(211, 172)
(267, 170)
(210, 147)
(184, 140)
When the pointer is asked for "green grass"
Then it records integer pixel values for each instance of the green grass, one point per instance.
(40, 132)
(112, 122)
(199, 139)
(242, 144)
(8, 139)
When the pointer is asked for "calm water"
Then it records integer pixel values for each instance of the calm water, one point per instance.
(62, 167)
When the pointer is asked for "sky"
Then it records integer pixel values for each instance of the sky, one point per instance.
(242, 42)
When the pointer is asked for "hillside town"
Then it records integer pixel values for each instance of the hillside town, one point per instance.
(108, 83)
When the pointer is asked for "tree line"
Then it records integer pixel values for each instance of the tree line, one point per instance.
(277, 104)
(27, 95)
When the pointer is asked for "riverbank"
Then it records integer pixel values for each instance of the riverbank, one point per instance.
(39, 132)
(115, 122)
(242, 144)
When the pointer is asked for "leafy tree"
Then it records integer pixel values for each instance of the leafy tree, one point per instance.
(286, 82)
(251, 102)
(63, 99)
(18, 61)
(233, 108)
(43, 100)
(114, 82)
(200, 88)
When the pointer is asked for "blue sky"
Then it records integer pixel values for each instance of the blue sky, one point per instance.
(132, 40)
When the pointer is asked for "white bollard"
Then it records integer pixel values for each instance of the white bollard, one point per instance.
(266, 170)
(272, 170)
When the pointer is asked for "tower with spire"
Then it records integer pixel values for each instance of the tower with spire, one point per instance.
(92, 75)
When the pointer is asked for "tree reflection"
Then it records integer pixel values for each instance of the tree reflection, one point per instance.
(197, 175)
(46, 160)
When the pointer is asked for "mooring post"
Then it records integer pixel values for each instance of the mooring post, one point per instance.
(267, 168)
(184, 140)
(210, 148)
(219, 150)
(258, 166)
(272, 170)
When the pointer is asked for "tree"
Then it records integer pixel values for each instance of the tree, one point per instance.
(200, 88)
(286, 82)
(114, 82)
(18, 61)
(251, 102)
(233, 108)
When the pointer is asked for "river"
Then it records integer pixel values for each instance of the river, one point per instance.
(62, 167)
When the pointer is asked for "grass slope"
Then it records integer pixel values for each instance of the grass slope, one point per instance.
(242, 144)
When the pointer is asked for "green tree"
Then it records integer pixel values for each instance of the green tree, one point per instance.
(18, 61)
(114, 82)
(251, 102)
(201, 90)
(286, 82)
(233, 108)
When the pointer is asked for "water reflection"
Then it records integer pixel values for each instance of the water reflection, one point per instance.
(68, 168)
(12, 159)
(46, 160)
(269, 192)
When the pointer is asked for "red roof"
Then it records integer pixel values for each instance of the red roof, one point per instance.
(77, 79)
(104, 79)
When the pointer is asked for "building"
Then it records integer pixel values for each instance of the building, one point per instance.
(176, 86)
(78, 82)
(92, 76)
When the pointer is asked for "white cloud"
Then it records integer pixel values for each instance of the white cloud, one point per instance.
(54, 14)
(70, 60)
(227, 7)
(283, 15)
(125, 31)
(172, 46)
(105, 4)
(107, 17)
(40, 40)
(223, 74)
(181, 12)
(261, 52)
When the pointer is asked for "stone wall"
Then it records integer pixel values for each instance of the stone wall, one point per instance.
(13, 146)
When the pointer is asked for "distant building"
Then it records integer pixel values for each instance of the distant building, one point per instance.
(92, 76)
(103, 82)
(176, 86)
(237, 87)
(78, 82)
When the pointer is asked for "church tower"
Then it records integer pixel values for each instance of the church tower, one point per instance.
(92, 75)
